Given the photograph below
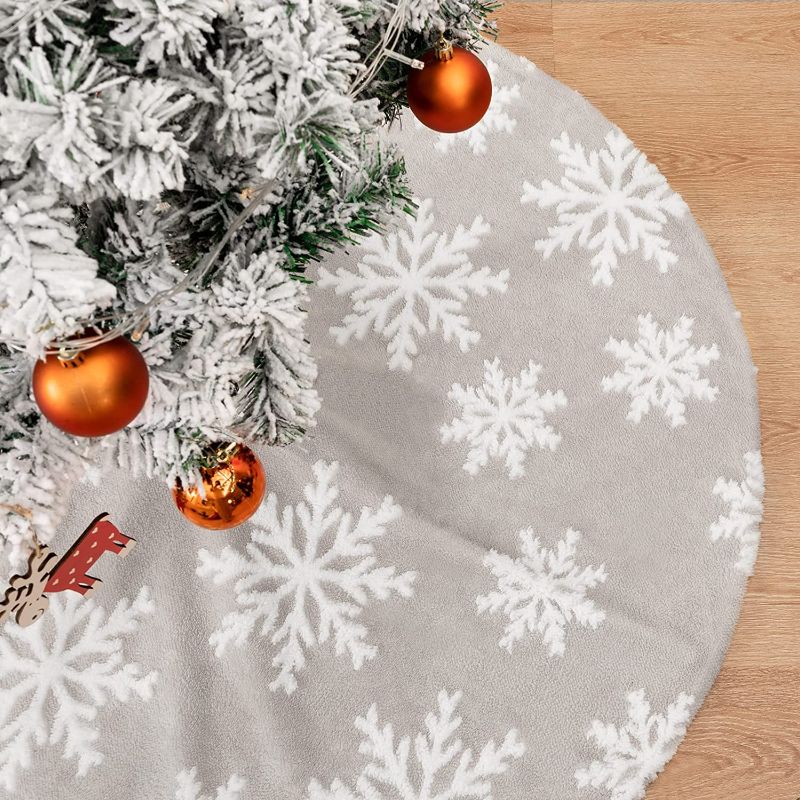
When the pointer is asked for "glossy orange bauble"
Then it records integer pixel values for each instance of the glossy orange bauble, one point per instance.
(234, 489)
(451, 94)
(96, 393)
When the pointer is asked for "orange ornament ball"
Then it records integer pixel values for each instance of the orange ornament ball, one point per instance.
(232, 491)
(95, 393)
(452, 92)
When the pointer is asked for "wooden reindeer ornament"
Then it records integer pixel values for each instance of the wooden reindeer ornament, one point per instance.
(26, 596)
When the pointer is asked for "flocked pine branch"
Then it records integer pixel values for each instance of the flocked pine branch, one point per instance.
(132, 133)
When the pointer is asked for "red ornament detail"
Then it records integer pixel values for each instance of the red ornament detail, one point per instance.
(100, 537)
(25, 598)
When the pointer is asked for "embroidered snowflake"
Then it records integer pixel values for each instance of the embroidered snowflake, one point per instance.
(542, 591)
(495, 120)
(503, 418)
(610, 202)
(325, 561)
(661, 370)
(415, 282)
(57, 673)
(745, 507)
(636, 752)
(444, 770)
(189, 788)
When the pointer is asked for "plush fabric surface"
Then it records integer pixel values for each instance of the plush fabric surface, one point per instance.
(507, 562)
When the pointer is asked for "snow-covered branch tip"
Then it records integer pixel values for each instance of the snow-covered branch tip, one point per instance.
(132, 133)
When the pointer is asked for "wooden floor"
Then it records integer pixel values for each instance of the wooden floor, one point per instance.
(711, 92)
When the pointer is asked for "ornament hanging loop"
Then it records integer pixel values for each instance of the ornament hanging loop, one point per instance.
(67, 354)
(223, 452)
(443, 49)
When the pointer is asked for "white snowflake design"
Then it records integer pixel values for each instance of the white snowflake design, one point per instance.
(542, 591)
(495, 120)
(284, 573)
(444, 769)
(503, 418)
(408, 275)
(661, 370)
(57, 673)
(611, 202)
(636, 752)
(189, 787)
(745, 508)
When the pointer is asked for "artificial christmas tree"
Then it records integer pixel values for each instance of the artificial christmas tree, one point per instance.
(168, 169)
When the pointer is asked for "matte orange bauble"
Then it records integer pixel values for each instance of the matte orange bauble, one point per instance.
(453, 90)
(232, 491)
(97, 392)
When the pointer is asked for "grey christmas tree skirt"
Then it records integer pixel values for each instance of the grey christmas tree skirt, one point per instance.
(507, 562)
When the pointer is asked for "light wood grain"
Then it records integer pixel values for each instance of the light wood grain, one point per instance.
(711, 92)
(527, 29)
